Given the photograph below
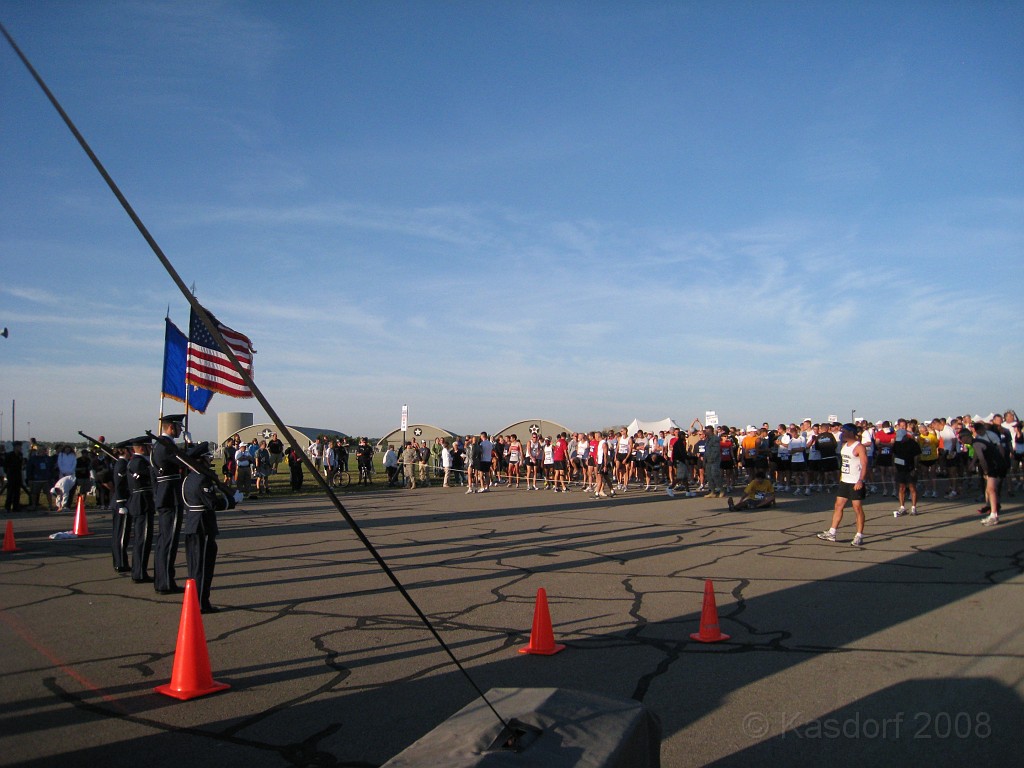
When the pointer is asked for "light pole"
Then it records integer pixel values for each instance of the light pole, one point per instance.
(852, 411)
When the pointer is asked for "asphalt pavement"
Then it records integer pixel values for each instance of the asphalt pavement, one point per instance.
(907, 650)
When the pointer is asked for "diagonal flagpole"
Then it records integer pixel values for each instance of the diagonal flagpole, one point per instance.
(215, 332)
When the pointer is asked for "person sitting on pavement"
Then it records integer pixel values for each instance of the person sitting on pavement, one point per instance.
(759, 493)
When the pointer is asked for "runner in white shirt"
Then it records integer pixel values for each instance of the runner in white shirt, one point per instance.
(623, 449)
(798, 461)
(515, 460)
(604, 467)
(851, 484)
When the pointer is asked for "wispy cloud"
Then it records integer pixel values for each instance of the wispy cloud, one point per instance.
(32, 295)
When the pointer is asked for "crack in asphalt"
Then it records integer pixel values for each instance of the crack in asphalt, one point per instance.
(503, 556)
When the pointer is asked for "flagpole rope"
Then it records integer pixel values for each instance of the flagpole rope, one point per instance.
(246, 378)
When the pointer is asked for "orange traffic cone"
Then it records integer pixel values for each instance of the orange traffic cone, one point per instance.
(9, 545)
(709, 631)
(191, 676)
(542, 638)
(81, 524)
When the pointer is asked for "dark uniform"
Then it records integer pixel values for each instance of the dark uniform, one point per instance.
(103, 470)
(295, 470)
(364, 459)
(203, 499)
(167, 495)
(122, 521)
(14, 463)
(140, 508)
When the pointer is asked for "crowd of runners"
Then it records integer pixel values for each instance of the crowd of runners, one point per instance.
(907, 458)
(796, 458)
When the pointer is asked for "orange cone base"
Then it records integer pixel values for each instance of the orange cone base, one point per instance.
(185, 695)
(543, 651)
(708, 638)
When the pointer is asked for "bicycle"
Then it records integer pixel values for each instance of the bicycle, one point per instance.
(366, 474)
(341, 479)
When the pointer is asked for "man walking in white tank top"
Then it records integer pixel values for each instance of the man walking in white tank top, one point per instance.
(851, 484)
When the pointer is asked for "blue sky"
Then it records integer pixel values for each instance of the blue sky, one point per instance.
(585, 212)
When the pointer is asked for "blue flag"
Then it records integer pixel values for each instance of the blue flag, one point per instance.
(175, 354)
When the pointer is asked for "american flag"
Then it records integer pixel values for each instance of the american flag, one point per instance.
(208, 366)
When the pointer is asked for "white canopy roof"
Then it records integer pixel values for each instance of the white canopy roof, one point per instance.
(664, 425)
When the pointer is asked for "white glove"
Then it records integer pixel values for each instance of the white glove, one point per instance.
(122, 510)
(187, 437)
(239, 497)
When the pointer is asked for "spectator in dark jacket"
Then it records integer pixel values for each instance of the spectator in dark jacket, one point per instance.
(40, 474)
(14, 468)
(83, 476)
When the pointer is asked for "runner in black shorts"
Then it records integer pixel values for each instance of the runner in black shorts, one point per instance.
(851, 484)
(906, 453)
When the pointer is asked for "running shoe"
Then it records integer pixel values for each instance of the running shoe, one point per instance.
(913, 509)
(858, 540)
(900, 511)
(827, 536)
(990, 520)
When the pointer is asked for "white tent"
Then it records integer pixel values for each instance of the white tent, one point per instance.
(664, 425)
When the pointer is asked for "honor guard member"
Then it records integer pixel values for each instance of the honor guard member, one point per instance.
(203, 498)
(167, 494)
(140, 506)
(119, 495)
